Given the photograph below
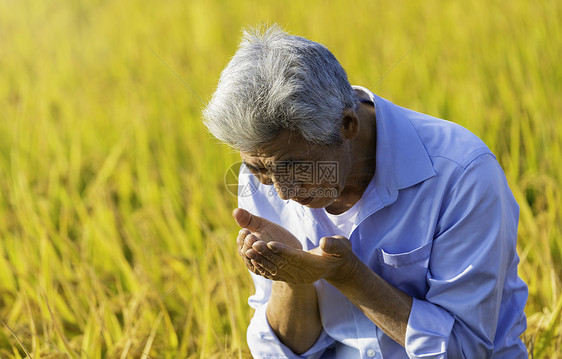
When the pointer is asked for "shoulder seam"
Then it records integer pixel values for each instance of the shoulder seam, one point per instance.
(468, 159)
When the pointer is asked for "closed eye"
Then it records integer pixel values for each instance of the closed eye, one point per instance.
(255, 169)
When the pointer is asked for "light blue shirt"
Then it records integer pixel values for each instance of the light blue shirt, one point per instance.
(439, 222)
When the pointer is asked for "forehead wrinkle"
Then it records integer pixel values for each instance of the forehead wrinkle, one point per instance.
(259, 160)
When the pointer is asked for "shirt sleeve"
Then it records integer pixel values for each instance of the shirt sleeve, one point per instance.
(262, 341)
(473, 251)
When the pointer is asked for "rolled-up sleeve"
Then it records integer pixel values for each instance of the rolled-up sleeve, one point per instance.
(472, 255)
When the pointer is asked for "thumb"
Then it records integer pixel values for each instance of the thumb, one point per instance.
(335, 245)
(247, 220)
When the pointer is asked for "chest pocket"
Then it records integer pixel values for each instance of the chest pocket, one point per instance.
(406, 271)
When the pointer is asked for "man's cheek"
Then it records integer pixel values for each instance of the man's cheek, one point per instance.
(264, 179)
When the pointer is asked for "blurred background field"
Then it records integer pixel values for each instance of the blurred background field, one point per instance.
(115, 232)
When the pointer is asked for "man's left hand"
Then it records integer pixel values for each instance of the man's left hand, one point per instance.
(332, 260)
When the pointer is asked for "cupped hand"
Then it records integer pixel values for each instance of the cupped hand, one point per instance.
(255, 228)
(265, 230)
(332, 260)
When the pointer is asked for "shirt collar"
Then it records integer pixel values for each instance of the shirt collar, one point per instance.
(401, 157)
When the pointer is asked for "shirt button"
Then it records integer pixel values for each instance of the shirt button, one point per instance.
(370, 353)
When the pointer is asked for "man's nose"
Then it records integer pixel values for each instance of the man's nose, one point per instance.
(286, 188)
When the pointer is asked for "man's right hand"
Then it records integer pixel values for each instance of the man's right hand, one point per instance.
(255, 228)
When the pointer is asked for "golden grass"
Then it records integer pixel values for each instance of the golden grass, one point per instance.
(116, 236)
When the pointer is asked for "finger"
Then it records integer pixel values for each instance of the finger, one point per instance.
(335, 245)
(242, 251)
(251, 239)
(274, 273)
(244, 232)
(280, 254)
(262, 271)
(251, 253)
(242, 248)
(263, 263)
(269, 273)
(240, 239)
(247, 220)
(242, 236)
(249, 265)
(272, 266)
(248, 241)
(263, 250)
(246, 259)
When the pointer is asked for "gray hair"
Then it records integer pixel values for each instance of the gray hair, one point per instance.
(277, 81)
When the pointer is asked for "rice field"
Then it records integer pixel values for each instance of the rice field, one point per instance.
(116, 239)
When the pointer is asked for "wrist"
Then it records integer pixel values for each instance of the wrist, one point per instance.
(345, 272)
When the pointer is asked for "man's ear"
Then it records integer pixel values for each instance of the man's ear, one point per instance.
(349, 124)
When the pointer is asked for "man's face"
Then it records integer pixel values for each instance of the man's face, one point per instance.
(312, 175)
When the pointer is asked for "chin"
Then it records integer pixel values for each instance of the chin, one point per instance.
(320, 202)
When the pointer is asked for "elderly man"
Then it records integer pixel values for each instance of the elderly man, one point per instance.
(370, 230)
